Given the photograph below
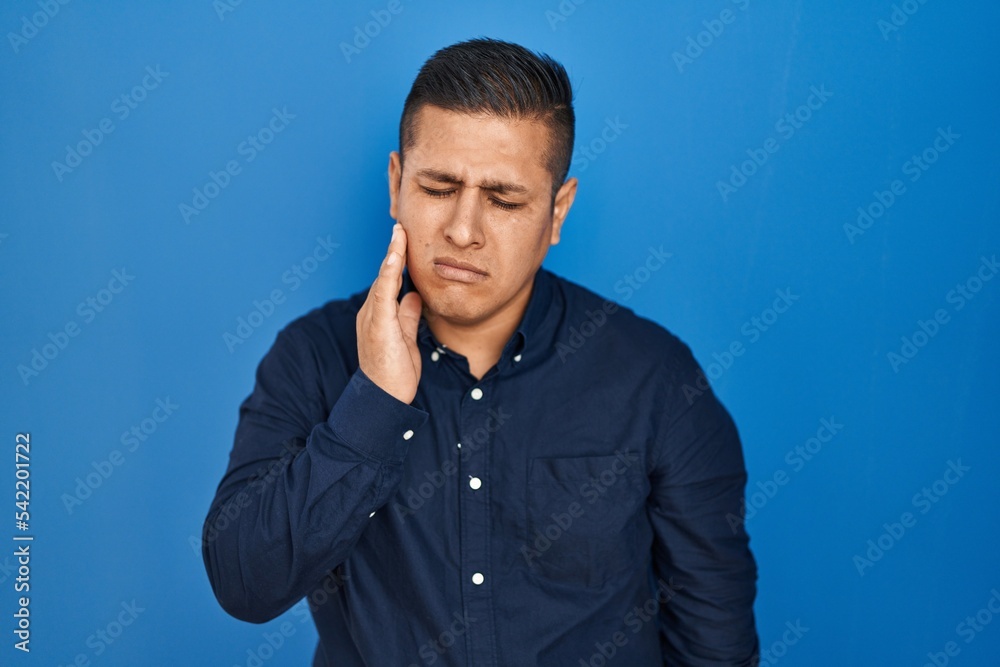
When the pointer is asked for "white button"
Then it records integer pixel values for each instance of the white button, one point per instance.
(435, 356)
(475, 483)
(517, 357)
(459, 445)
(371, 515)
(407, 435)
(477, 578)
(477, 393)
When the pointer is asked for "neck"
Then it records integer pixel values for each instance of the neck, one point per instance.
(482, 342)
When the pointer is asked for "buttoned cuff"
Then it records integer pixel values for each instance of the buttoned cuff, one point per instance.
(372, 421)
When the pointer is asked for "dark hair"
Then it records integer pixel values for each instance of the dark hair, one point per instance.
(502, 79)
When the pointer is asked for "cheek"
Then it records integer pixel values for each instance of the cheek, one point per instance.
(414, 215)
(418, 247)
(522, 242)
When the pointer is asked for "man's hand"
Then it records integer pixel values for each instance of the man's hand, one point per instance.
(387, 330)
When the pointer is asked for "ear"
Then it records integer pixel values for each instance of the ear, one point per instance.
(395, 178)
(560, 208)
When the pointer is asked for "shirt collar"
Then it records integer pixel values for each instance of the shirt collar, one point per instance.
(534, 334)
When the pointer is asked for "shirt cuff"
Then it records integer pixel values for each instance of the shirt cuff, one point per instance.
(372, 421)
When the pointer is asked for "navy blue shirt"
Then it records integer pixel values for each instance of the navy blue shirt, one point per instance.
(575, 506)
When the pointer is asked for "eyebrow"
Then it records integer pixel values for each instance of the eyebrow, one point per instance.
(499, 187)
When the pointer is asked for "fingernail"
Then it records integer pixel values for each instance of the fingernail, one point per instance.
(392, 258)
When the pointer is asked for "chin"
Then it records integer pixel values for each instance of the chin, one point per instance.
(459, 313)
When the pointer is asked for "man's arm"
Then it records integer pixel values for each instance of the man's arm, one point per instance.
(301, 485)
(297, 495)
(698, 482)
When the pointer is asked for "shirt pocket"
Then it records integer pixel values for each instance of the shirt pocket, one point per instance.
(582, 514)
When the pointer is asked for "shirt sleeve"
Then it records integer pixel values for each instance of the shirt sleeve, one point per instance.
(300, 485)
(698, 484)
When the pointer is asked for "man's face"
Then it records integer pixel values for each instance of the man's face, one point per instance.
(475, 190)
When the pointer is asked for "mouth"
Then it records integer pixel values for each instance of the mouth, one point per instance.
(454, 270)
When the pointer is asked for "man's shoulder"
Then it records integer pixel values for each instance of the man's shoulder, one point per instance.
(614, 327)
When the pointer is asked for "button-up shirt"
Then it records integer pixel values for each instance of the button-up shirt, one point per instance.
(579, 504)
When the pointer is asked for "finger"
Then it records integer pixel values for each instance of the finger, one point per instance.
(391, 256)
(387, 284)
(409, 315)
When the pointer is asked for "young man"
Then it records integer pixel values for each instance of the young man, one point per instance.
(443, 465)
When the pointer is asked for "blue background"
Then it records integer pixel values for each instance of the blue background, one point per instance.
(681, 128)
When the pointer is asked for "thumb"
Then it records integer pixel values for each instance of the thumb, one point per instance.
(409, 315)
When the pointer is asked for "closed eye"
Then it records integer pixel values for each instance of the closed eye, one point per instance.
(499, 203)
(506, 206)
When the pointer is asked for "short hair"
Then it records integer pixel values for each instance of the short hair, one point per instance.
(501, 79)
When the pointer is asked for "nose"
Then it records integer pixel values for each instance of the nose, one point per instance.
(464, 228)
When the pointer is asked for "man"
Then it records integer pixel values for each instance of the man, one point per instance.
(445, 468)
